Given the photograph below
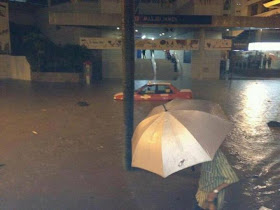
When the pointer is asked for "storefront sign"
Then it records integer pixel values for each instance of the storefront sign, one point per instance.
(4, 28)
(173, 19)
(100, 43)
(218, 44)
(167, 44)
(158, 44)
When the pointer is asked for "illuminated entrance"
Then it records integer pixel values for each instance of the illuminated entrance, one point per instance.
(165, 59)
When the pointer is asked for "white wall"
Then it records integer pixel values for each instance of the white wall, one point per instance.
(214, 7)
(111, 6)
(84, 7)
(206, 66)
(14, 67)
(63, 34)
(155, 9)
(184, 7)
(111, 63)
(4, 67)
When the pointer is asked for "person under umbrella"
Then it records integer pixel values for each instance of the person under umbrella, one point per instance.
(171, 140)
(215, 177)
(216, 173)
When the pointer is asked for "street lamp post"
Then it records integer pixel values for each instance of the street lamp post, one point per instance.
(128, 74)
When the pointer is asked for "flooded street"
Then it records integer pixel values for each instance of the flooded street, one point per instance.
(254, 147)
(75, 161)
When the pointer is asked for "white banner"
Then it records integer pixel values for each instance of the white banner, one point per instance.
(158, 44)
(167, 44)
(4, 28)
(100, 43)
(217, 44)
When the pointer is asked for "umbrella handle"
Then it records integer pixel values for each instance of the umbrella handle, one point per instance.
(164, 107)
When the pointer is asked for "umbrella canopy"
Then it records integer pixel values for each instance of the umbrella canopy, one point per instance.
(170, 141)
(194, 104)
(273, 56)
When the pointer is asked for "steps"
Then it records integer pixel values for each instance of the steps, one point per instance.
(165, 70)
(143, 69)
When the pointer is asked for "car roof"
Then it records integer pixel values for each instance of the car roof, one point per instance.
(158, 83)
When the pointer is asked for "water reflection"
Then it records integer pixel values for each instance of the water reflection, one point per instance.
(254, 101)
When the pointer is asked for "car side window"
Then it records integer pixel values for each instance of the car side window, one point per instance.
(164, 89)
(149, 89)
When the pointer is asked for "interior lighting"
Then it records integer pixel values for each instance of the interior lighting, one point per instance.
(136, 30)
(153, 38)
(144, 36)
(118, 28)
(227, 29)
(264, 46)
(271, 3)
(163, 33)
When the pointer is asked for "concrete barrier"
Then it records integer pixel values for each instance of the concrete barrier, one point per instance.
(14, 67)
(56, 77)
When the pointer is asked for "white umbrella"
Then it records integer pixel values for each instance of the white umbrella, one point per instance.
(170, 141)
(193, 104)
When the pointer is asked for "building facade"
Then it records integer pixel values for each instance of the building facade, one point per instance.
(67, 21)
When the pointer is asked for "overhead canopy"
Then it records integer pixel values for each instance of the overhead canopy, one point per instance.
(271, 3)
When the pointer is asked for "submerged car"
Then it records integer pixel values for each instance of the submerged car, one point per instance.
(158, 92)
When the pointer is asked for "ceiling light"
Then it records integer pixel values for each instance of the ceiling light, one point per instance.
(118, 28)
(136, 30)
(144, 36)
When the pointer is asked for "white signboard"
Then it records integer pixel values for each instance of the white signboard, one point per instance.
(158, 44)
(4, 28)
(100, 43)
(167, 44)
(218, 44)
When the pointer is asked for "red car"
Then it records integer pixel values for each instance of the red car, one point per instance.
(158, 92)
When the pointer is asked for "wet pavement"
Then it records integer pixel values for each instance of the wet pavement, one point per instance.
(62, 147)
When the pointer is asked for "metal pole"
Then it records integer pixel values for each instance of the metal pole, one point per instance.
(128, 51)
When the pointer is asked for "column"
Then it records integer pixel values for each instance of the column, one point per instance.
(205, 64)
(259, 35)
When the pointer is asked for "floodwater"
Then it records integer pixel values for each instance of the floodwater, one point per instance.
(84, 147)
(253, 147)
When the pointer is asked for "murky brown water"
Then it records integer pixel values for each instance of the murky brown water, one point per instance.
(92, 138)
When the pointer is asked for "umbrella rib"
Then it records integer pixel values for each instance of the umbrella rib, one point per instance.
(156, 120)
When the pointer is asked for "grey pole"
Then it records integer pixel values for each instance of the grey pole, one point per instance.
(128, 52)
